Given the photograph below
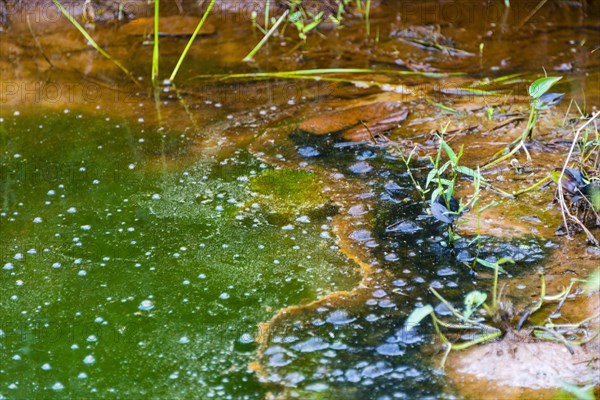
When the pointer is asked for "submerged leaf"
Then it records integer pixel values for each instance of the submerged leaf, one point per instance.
(549, 100)
(440, 210)
(466, 91)
(572, 180)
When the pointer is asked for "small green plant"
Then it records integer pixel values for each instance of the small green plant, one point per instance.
(540, 100)
(440, 186)
(443, 205)
(490, 321)
(299, 18)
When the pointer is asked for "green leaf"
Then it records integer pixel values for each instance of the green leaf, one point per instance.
(451, 154)
(430, 177)
(469, 172)
(444, 168)
(472, 301)
(580, 393)
(542, 85)
(505, 260)
(555, 175)
(417, 316)
(593, 282)
(491, 265)
(449, 191)
(435, 194)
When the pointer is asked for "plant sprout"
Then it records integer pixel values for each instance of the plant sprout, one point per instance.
(540, 100)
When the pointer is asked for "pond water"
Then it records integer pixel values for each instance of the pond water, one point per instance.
(204, 245)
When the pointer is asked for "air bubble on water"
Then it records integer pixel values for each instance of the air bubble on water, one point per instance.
(303, 219)
(18, 256)
(74, 347)
(224, 296)
(184, 340)
(19, 282)
(82, 375)
(202, 276)
(58, 386)
(156, 196)
(37, 220)
(246, 338)
(146, 305)
(86, 227)
(89, 359)
(56, 265)
(186, 282)
(46, 367)
(317, 387)
(8, 266)
(174, 375)
(72, 210)
(92, 338)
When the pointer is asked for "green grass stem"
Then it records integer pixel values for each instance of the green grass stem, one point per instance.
(266, 37)
(189, 43)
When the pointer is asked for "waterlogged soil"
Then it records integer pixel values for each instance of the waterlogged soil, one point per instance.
(238, 238)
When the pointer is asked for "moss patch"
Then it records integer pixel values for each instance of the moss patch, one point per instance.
(289, 191)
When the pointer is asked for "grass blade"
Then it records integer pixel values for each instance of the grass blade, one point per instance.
(155, 52)
(189, 44)
(266, 37)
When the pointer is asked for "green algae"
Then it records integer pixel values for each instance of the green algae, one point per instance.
(287, 191)
(125, 261)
